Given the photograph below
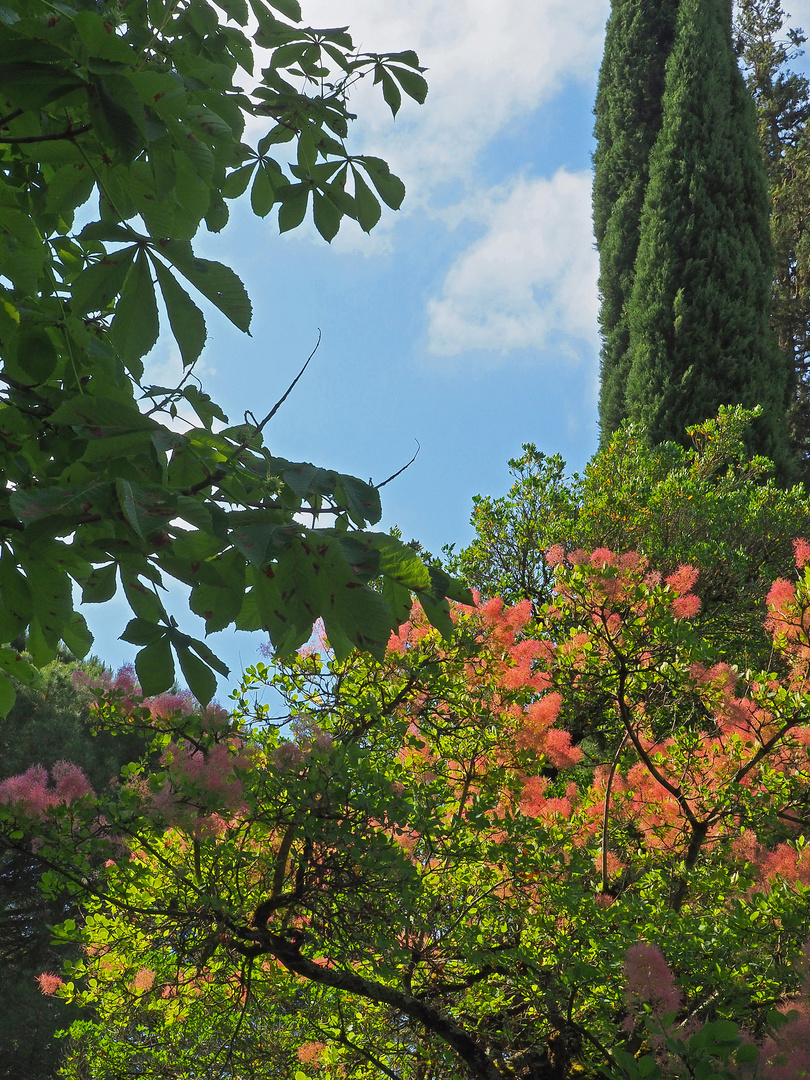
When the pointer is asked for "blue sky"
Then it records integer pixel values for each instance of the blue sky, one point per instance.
(467, 320)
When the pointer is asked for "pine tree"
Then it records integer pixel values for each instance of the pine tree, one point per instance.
(699, 333)
(628, 115)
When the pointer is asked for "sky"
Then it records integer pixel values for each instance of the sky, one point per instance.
(465, 323)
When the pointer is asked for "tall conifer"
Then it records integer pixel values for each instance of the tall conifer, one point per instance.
(628, 115)
(698, 314)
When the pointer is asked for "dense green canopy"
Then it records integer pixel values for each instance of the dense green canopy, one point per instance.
(121, 129)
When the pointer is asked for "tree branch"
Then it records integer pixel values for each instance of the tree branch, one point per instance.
(69, 133)
(471, 1053)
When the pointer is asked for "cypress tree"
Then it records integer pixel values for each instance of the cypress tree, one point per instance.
(628, 115)
(698, 314)
(782, 101)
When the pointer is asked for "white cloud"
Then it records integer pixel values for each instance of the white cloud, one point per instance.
(530, 278)
(488, 63)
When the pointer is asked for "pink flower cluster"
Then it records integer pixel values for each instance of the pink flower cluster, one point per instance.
(143, 981)
(212, 773)
(649, 980)
(802, 552)
(686, 604)
(537, 733)
(310, 1053)
(533, 801)
(32, 792)
(49, 983)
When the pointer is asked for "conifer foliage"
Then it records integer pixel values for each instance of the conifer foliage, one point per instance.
(767, 47)
(628, 117)
(695, 314)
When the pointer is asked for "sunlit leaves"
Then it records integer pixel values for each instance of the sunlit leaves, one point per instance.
(143, 143)
(429, 827)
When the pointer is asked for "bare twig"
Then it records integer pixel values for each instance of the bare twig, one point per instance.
(285, 395)
(402, 470)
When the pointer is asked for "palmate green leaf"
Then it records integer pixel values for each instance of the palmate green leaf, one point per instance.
(286, 596)
(16, 606)
(214, 280)
(262, 194)
(391, 92)
(357, 617)
(293, 207)
(33, 505)
(290, 9)
(407, 57)
(33, 356)
(101, 585)
(19, 667)
(390, 188)
(202, 682)
(367, 204)
(207, 656)
(154, 665)
(141, 598)
(258, 542)
(107, 230)
(100, 42)
(22, 250)
(219, 606)
(362, 556)
(185, 318)
(217, 214)
(203, 406)
(249, 618)
(399, 600)
(31, 85)
(96, 287)
(161, 92)
(147, 507)
(444, 585)
(303, 478)
(135, 328)
(401, 564)
(326, 215)
(103, 415)
(116, 112)
(236, 182)
(360, 499)
(414, 84)
(195, 513)
(142, 632)
(159, 214)
(115, 447)
(220, 603)
(239, 47)
(51, 595)
(76, 635)
(68, 189)
(236, 10)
